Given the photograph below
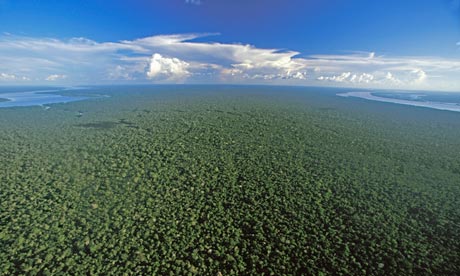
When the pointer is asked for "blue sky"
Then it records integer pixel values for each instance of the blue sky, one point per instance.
(354, 43)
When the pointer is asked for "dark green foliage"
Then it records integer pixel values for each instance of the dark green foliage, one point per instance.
(248, 181)
(101, 125)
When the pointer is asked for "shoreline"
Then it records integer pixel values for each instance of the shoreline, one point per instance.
(36, 98)
(433, 105)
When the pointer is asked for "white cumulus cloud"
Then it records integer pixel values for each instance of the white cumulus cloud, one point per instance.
(349, 78)
(420, 75)
(169, 69)
(4, 76)
(12, 77)
(180, 58)
(55, 77)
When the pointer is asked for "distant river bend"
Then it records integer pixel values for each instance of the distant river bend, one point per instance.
(435, 105)
(34, 98)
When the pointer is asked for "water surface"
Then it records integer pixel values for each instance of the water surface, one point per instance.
(37, 98)
(414, 99)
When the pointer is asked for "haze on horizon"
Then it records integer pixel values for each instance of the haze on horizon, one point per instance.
(362, 44)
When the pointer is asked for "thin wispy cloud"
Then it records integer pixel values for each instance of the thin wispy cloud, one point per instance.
(179, 59)
(194, 2)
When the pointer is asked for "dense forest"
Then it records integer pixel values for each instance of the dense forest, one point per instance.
(228, 180)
